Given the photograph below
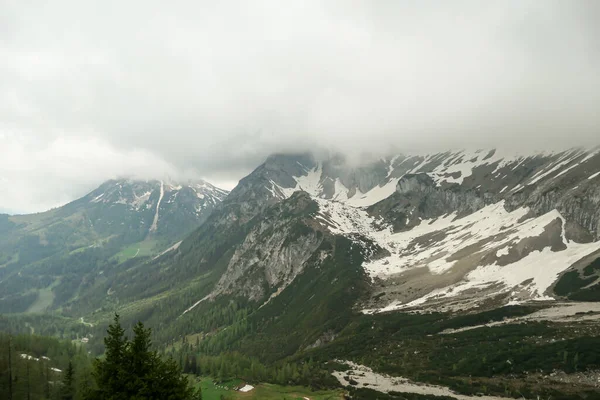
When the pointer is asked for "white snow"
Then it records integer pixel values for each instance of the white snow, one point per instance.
(311, 182)
(195, 304)
(503, 251)
(391, 167)
(559, 313)
(564, 160)
(541, 267)
(28, 357)
(174, 247)
(594, 175)
(491, 230)
(465, 161)
(160, 197)
(97, 198)
(139, 201)
(591, 154)
(366, 377)
(374, 195)
(246, 388)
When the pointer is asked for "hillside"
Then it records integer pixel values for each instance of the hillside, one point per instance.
(47, 258)
(315, 259)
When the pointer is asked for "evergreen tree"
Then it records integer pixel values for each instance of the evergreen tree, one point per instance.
(109, 373)
(130, 370)
(68, 388)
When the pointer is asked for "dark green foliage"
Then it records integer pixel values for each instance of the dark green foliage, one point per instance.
(130, 370)
(571, 282)
(370, 394)
(590, 294)
(17, 303)
(40, 368)
(67, 390)
(573, 286)
(592, 268)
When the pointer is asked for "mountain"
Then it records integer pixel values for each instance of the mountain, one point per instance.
(476, 270)
(454, 230)
(120, 220)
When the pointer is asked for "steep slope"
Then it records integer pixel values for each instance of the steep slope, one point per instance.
(464, 229)
(44, 256)
(315, 259)
(447, 231)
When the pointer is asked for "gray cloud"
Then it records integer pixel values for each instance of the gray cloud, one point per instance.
(214, 87)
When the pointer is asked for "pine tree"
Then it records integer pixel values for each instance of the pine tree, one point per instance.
(110, 374)
(131, 370)
(68, 388)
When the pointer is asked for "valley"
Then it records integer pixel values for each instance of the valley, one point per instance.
(466, 273)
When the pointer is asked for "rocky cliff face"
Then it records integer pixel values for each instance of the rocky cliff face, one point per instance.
(453, 230)
(447, 228)
(273, 252)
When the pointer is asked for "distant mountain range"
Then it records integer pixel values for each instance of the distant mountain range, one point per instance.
(305, 250)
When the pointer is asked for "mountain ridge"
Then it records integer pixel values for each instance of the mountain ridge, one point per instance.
(120, 220)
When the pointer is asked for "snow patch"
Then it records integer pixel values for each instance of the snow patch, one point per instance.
(160, 197)
(97, 198)
(139, 201)
(594, 175)
(366, 377)
(374, 195)
(566, 159)
(246, 388)
(195, 304)
(174, 247)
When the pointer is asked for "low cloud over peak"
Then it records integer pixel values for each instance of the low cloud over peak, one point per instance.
(212, 88)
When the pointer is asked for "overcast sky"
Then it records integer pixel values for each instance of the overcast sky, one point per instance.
(90, 90)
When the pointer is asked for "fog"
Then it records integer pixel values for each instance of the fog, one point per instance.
(209, 89)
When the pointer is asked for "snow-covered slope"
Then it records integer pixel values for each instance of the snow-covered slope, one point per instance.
(457, 229)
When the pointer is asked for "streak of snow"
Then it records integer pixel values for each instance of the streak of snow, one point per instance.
(594, 175)
(559, 313)
(174, 247)
(374, 195)
(195, 304)
(97, 198)
(391, 166)
(160, 197)
(591, 154)
(564, 160)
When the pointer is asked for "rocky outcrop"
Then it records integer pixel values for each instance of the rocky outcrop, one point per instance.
(273, 252)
